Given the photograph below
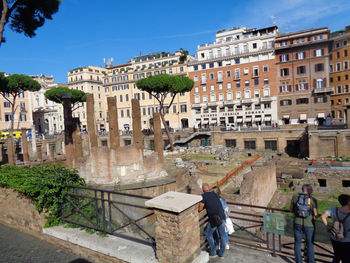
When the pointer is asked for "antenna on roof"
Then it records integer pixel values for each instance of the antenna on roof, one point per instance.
(108, 62)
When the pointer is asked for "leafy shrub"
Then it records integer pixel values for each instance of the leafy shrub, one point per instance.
(45, 185)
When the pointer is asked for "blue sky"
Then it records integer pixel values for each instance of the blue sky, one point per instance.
(83, 32)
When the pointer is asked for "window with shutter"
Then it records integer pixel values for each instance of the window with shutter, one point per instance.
(314, 83)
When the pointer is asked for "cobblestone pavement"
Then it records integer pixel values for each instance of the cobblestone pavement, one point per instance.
(238, 254)
(18, 247)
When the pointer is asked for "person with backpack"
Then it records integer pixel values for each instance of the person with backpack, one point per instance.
(339, 229)
(216, 215)
(304, 207)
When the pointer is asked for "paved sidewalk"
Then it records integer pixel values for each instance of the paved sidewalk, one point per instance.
(18, 247)
(238, 254)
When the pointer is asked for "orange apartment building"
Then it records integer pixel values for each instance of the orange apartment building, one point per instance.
(235, 80)
(302, 68)
(339, 75)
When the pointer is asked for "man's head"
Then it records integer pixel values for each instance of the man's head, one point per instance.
(344, 199)
(307, 189)
(205, 187)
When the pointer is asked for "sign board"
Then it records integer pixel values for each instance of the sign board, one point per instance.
(283, 225)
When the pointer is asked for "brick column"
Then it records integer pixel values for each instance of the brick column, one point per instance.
(136, 124)
(52, 153)
(114, 139)
(158, 138)
(177, 227)
(77, 143)
(39, 153)
(90, 114)
(25, 147)
(10, 151)
(1, 151)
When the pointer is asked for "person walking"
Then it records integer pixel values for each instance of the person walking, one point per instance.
(216, 215)
(339, 229)
(304, 207)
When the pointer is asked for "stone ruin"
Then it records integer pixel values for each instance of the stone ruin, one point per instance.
(115, 165)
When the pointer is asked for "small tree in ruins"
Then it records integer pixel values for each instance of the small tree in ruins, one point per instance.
(76, 96)
(159, 87)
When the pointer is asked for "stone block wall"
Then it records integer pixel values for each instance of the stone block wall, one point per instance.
(178, 227)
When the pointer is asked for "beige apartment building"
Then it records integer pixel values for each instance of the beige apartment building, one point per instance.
(90, 80)
(121, 83)
(47, 115)
(23, 114)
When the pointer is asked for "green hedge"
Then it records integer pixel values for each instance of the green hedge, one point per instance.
(45, 185)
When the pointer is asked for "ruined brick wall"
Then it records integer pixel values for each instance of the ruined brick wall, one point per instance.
(19, 211)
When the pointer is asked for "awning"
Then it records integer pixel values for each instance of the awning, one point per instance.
(303, 117)
(239, 120)
(285, 116)
(257, 119)
(213, 122)
(267, 119)
(248, 119)
(320, 115)
(205, 122)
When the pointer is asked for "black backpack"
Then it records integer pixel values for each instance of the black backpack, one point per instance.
(303, 206)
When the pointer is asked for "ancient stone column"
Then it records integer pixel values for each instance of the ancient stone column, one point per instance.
(10, 151)
(77, 142)
(33, 139)
(136, 124)
(158, 138)
(90, 113)
(1, 155)
(114, 139)
(39, 154)
(25, 147)
(44, 151)
(52, 152)
(177, 227)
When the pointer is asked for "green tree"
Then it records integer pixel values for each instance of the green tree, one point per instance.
(55, 94)
(25, 16)
(12, 87)
(159, 87)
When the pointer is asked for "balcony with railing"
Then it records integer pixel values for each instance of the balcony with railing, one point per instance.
(324, 90)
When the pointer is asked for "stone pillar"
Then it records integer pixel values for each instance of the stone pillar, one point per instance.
(114, 139)
(39, 153)
(44, 151)
(158, 138)
(78, 146)
(177, 227)
(90, 113)
(25, 147)
(63, 148)
(136, 124)
(33, 140)
(10, 151)
(52, 152)
(1, 155)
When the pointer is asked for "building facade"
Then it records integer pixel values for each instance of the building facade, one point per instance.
(235, 80)
(339, 75)
(23, 112)
(90, 80)
(121, 84)
(302, 68)
(47, 115)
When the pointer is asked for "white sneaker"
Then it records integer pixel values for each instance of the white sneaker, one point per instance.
(227, 247)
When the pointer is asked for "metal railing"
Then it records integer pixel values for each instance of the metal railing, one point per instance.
(248, 222)
(110, 212)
